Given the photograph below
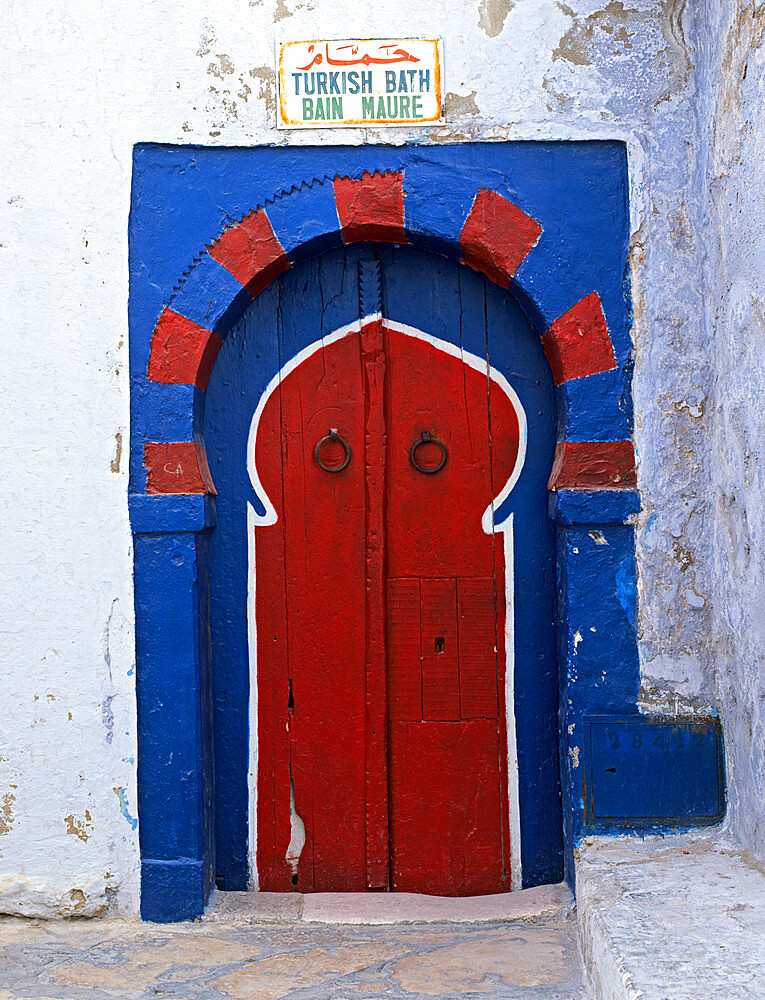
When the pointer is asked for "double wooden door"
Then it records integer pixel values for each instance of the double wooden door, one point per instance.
(381, 615)
(420, 646)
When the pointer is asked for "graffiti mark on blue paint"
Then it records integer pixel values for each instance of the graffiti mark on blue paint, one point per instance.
(121, 794)
(626, 589)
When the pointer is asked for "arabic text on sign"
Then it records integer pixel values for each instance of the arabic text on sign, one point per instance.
(399, 55)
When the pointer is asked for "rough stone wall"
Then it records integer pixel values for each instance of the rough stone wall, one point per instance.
(84, 81)
(736, 283)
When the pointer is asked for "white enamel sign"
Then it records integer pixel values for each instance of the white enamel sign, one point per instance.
(372, 82)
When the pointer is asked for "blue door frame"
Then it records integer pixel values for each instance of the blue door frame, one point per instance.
(209, 230)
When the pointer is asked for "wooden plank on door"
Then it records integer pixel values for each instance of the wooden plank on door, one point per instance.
(478, 647)
(324, 517)
(373, 362)
(273, 669)
(404, 651)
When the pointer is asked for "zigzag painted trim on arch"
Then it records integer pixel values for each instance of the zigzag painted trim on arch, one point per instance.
(495, 239)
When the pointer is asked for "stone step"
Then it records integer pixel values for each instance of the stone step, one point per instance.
(679, 917)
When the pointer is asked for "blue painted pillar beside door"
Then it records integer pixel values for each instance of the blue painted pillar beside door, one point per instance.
(175, 776)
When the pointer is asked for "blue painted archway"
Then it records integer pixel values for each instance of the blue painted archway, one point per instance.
(210, 229)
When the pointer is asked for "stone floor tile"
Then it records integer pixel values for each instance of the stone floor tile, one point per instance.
(239, 960)
(520, 958)
(272, 978)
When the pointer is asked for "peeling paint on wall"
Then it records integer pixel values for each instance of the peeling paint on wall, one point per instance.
(6, 813)
(458, 106)
(222, 68)
(79, 827)
(579, 43)
(121, 794)
(492, 15)
(114, 465)
(265, 76)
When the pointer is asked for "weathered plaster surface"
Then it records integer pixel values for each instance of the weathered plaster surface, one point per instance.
(84, 82)
(736, 280)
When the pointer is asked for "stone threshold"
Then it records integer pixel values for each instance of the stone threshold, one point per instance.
(548, 904)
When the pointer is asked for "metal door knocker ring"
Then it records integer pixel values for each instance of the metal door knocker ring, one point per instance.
(425, 438)
(332, 436)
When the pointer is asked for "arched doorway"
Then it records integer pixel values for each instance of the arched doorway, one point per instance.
(451, 786)
(548, 221)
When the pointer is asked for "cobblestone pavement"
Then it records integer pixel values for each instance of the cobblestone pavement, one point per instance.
(103, 959)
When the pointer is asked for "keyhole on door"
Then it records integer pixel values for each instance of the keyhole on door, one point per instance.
(290, 700)
(439, 644)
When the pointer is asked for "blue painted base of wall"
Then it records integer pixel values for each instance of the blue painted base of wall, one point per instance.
(172, 890)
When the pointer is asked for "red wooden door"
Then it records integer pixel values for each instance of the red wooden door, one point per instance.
(381, 619)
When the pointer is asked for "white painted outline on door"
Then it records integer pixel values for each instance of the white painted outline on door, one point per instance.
(505, 528)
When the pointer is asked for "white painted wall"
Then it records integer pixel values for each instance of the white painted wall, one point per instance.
(81, 83)
(735, 68)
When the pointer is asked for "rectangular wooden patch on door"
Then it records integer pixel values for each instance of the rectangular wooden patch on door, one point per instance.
(440, 653)
(404, 651)
(478, 641)
(443, 737)
(445, 822)
(442, 649)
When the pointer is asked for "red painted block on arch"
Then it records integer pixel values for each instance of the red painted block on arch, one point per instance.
(182, 351)
(371, 207)
(578, 342)
(176, 467)
(593, 465)
(497, 236)
(251, 251)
